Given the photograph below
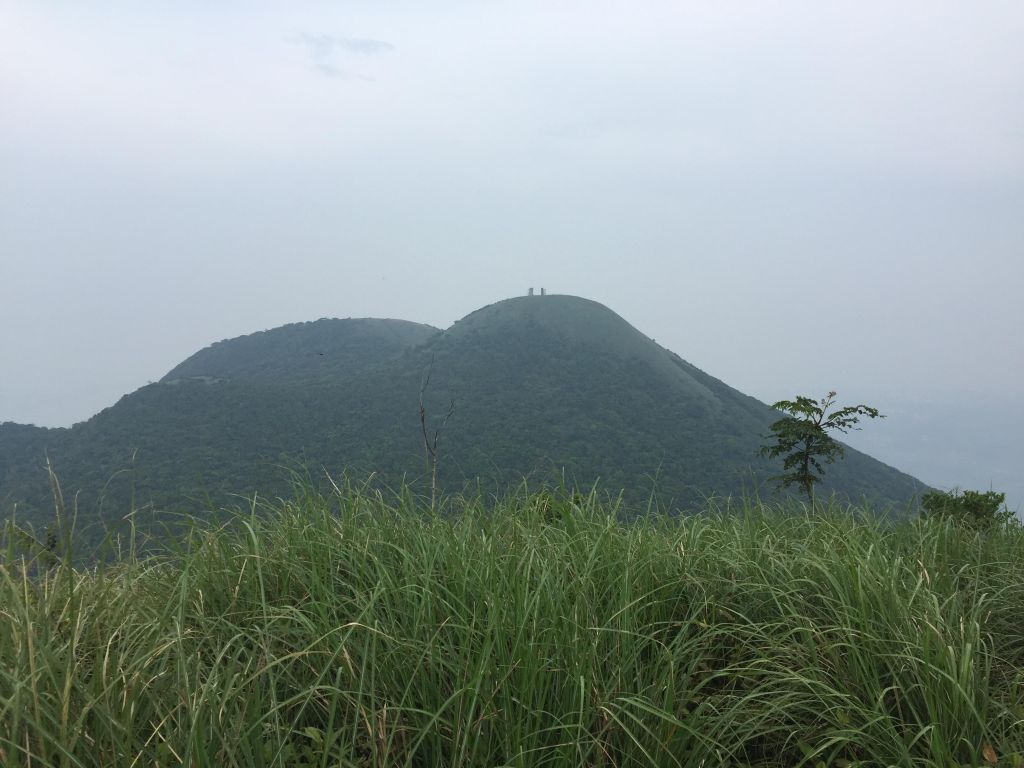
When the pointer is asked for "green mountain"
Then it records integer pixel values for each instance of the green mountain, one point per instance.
(541, 386)
(325, 350)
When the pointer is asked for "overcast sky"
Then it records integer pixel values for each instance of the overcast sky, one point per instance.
(794, 196)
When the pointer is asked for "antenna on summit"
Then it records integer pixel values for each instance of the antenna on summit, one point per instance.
(530, 293)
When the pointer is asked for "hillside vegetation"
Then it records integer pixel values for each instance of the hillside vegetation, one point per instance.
(538, 630)
(327, 349)
(542, 386)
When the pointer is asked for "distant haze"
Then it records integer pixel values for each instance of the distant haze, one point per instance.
(795, 196)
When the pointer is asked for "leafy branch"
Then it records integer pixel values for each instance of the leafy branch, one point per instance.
(803, 440)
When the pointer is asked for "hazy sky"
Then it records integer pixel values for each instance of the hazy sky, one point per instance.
(794, 196)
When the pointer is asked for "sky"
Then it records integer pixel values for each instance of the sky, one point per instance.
(796, 197)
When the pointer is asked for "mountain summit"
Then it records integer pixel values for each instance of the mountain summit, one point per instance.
(542, 386)
(561, 382)
(585, 325)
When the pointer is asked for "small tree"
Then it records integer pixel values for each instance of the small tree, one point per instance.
(973, 509)
(803, 438)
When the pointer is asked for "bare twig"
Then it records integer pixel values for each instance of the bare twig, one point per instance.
(430, 442)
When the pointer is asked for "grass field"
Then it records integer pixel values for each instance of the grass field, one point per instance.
(538, 630)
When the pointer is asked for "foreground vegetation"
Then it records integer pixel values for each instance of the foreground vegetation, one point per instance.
(354, 630)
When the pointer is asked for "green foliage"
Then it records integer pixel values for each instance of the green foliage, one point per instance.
(359, 630)
(326, 349)
(544, 386)
(970, 508)
(803, 438)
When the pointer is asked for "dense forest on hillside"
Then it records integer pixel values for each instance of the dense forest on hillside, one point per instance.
(543, 388)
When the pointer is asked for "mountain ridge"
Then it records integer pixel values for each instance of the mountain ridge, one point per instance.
(541, 384)
(324, 347)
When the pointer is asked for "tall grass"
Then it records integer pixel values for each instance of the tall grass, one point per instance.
(539, 630)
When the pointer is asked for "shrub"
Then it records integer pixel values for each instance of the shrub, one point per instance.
(971, 508)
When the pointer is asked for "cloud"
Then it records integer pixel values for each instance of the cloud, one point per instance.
(324, 50)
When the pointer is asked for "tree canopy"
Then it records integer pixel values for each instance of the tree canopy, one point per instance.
(802, 438)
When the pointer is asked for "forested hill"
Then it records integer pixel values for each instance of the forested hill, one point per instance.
(542, 385)
(324, 350)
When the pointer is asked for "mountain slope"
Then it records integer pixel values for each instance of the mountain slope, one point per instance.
(541, 385)
(563, 382)
(325, 349)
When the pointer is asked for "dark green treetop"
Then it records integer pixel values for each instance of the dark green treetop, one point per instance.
(974, 509)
